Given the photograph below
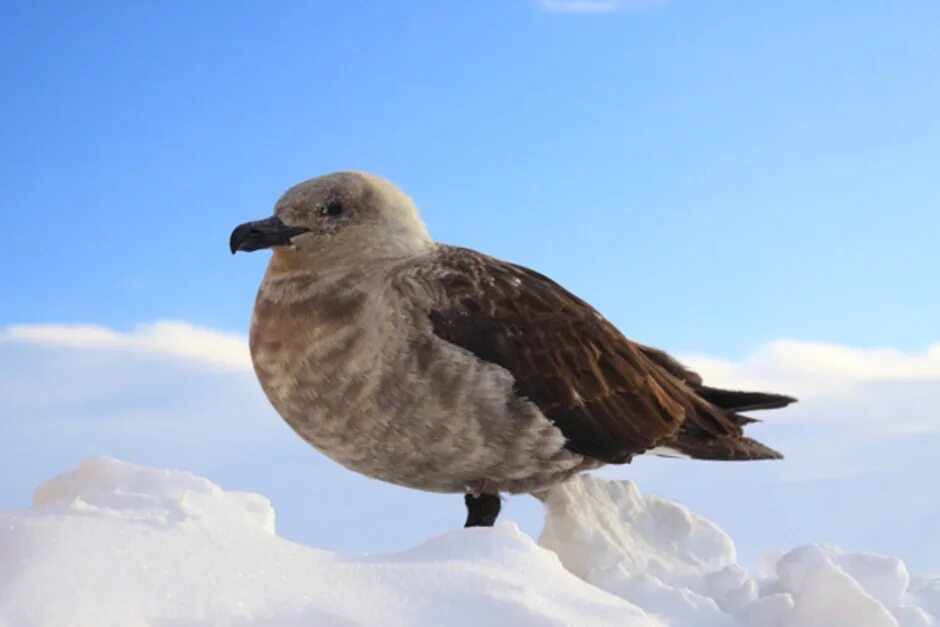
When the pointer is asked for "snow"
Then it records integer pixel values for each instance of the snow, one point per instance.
(117, 544)
(683, 569)
(113, 543)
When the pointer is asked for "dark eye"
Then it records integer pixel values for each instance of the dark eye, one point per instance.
(333, 208)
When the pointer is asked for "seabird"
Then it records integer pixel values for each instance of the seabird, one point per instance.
(443, 369)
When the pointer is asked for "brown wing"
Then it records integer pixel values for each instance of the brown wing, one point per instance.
(610, 397)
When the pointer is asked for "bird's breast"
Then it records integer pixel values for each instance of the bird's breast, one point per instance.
(369, 385)
(307, 355)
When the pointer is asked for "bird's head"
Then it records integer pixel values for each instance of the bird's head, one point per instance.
(347, 215)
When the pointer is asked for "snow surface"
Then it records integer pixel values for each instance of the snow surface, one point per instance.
(113, 543)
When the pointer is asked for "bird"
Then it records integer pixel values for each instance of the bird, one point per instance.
(443, 369)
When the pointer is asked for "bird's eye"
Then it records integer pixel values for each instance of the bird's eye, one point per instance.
(333, 208)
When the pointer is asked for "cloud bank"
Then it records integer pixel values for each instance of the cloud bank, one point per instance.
(168, 338)
(818, 369)
(594, 6)
(174, 394)
(580, 6)
(809, 368)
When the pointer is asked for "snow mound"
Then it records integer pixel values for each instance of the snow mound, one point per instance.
(112, 543)
(117, 544)
(113, 489)
(682, 569)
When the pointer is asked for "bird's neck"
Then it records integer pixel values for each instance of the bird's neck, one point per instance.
(360, 248)
(294, 275)
(291, 280)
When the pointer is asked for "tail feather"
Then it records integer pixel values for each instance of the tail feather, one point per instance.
(736, 448)
(713, 427)
(699, 440)
(743, 420)
(735, 401)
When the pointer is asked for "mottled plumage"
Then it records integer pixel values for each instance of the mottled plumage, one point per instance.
(443, 369)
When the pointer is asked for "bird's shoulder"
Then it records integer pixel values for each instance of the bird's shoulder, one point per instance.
(487, 287)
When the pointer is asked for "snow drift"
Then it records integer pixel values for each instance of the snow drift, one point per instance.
(117, 544)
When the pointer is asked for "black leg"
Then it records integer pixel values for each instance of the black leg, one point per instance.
(482, 510)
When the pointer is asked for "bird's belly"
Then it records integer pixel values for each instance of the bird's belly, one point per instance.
(386, 447)
(436, 430)
(437, 453)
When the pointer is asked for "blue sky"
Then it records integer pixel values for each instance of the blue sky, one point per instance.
(714, 177)
(711, 175)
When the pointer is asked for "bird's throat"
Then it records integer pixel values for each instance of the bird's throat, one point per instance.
(286, 260)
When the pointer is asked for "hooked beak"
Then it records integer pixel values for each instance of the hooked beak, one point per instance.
(263, 234)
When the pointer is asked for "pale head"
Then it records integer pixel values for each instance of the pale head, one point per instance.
(349, 216)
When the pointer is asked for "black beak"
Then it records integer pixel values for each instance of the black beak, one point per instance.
(263, 234)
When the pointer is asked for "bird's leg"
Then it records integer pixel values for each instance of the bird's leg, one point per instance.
(481, 510)
(482, 506)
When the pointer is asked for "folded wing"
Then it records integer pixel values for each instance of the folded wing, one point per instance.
(610, 397)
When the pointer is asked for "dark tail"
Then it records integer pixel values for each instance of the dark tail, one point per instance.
(701, 443)
(713, 429)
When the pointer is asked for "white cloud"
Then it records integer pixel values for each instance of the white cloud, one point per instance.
(581, 6)
(818, 369)
(168, 338)
(595, 6)
(806, 368)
